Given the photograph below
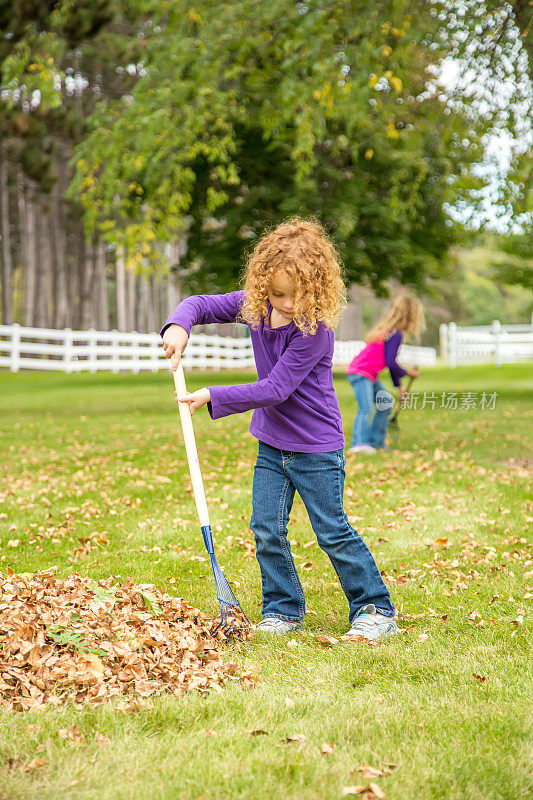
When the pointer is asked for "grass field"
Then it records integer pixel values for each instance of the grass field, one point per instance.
(99, 458)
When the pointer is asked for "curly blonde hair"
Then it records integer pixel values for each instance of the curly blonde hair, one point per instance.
(405, 314)
(303, 250)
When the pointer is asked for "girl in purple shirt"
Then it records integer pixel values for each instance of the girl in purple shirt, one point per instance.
(291, 302)
(405, 315)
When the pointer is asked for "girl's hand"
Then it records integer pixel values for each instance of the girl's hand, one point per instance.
(401, 394)
(414, 372)
(175, 340)
(195, 399)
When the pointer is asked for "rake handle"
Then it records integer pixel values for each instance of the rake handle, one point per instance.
(190, 447)
(395, 415)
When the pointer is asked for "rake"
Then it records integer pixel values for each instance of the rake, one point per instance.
(394, 427)
(230, 607)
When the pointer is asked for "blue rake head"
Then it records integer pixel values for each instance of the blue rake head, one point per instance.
(231, 612)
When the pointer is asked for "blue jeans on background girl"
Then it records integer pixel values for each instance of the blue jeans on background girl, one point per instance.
(368, 396)
(319, 480)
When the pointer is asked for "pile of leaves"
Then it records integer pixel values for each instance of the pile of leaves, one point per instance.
(85, 641)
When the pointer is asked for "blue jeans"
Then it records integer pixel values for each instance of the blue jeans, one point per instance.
(368, 395)
(319, 480)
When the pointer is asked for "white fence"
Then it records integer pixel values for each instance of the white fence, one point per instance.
(495, 343)
(77, 351)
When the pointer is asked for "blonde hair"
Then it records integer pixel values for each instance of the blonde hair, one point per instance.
(405, 314)
(303, 250)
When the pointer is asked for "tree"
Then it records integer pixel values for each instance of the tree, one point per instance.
(245, 114)
(56, 60)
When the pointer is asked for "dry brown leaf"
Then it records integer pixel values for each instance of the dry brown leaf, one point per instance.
(86, 642)
(298, 737)
(35, 763)
(440, 543)
(327, 749)
(376, 790)
(73, 733)
(328, 640)
(371, 772)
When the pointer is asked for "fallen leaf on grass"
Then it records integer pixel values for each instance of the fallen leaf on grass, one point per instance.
(480, 678)
(292, 643)
(423, 637)
(327, 749)
(73, 733)
(438, 544)
(370, 792)
(102, 740)
(258, 732)
(329, 640)
(35, 763)
(300, 738)
(289, 702)
(374, 772)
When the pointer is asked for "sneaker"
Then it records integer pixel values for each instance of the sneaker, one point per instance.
(362, 448)
(370, 626)
(276, 626)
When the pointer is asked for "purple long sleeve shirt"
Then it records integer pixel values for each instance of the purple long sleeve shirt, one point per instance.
(294, 402)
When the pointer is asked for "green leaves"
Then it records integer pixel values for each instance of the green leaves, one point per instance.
(65, 636)
(150, 601)
(250, 117)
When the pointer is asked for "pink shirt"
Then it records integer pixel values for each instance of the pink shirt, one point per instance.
(377, 356)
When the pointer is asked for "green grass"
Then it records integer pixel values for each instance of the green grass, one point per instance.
(102, 453)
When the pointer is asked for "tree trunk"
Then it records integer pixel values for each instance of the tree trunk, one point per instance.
(87, 318)
(173, 287)
(7, 264)
(23, 235)
(31, 253)
(43, 282)
(130, 300)
(102, 320)
(59, 241)
(76, 289)
(121, 290)
(144, 304)
(152, 307)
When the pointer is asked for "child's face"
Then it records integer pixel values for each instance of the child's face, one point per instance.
(281, 293)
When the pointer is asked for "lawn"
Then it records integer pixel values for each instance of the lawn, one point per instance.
(95, 481)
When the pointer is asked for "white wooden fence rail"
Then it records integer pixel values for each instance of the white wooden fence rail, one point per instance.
(494, 343)
(76, 351)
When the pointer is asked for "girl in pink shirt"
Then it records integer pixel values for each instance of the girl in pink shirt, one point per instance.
(405, 315)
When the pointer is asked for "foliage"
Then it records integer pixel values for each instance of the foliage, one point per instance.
(243, 118)
(56, 61)
(65, 636)
(214, 120)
